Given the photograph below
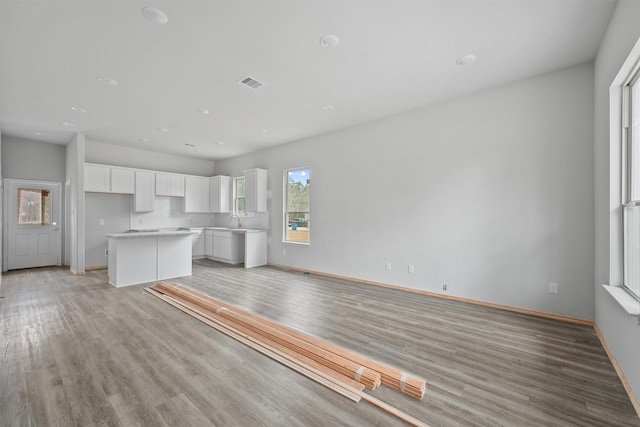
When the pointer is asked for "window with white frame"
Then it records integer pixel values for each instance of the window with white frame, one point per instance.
(239, 196)
(631, 182)
(297, 206)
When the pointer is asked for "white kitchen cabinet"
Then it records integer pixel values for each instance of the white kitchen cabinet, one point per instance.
(196, 194)
(228, 246)
(208, 243)
(108, 179)
(236, 246)
(122, 180)
(255, 187)
(97, 178)
(198, 242)
(144, 196)
(255, 248)
(169, 184)
(222, 245)
(220, 194)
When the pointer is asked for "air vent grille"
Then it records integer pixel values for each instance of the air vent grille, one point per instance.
(251, 82)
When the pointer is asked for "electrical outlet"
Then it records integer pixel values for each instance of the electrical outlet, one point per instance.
(553, 288)
(102, 222)
(412, 269)
(444, 287)
(387, 266)
(106, 252)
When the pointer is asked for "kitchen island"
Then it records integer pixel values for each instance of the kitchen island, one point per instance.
(142, 257)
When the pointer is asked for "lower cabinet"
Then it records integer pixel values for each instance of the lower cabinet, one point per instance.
(208, 243)
(228, 246)
(236, 246)
(198, 243)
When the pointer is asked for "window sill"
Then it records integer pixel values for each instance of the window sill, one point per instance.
(291, 242)
(630, 304)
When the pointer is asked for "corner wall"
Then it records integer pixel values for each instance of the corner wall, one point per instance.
(491, 194)
(620, 331)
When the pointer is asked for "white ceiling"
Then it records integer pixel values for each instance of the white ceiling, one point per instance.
(393, 55)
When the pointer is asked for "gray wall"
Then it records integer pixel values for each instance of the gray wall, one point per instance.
(491, 194)
(620, 331)
(111, 154)
(37, 161)
(34, 160)
(1, 211)
(114, 210)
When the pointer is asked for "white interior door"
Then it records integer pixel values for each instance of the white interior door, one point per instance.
(32, 218)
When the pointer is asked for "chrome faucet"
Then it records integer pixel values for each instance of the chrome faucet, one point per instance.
(237, 217)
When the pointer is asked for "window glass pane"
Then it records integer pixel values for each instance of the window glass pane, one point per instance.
(632, 248)
(239, 196)
(631, 214)
(634, 143)
(240, 187)
(298, 196)
(240, 207)
(34, 207)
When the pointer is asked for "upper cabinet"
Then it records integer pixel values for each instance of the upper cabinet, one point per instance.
(220, 194)
(122, 180)
(255, 187)
(97, 178)
(196, 194)
(144, 195)
(169, 184)
(108, 179)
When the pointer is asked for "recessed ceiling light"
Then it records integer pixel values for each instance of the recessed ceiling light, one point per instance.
(155, 15)
(162, 129)
(68, 125)
(79, 109)
(144, 139)
(329, 41)
(203, 111)
(328, 108)
(107, 81)
(467, 59)
(37, 133)
(264, 130)
(220, 143)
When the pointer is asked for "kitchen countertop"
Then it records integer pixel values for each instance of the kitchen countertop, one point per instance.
(160, 233)
(236, 230)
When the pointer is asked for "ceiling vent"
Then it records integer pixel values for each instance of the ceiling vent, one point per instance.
(251, 82)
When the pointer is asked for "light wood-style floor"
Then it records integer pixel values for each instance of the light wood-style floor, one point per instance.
(78, 352)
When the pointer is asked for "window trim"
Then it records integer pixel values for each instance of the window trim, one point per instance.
(629, 75)
(285, 181)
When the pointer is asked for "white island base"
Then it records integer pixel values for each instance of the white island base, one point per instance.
(148, 256)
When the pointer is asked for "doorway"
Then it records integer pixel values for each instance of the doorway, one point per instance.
(32, 224)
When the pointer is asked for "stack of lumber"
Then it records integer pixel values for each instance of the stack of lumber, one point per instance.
(342, 370)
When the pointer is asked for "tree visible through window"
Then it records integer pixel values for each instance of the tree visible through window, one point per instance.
(297, 205)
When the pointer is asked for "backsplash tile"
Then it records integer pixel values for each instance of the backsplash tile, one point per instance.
(167, 213)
